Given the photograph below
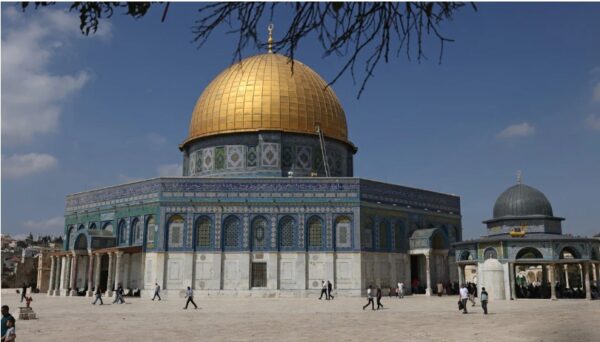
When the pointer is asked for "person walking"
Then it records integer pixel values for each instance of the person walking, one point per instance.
(440, 288)
(472, 288)
(190, 298)
(379, 305)
(6, 316)
(400, 290)
(23, 292)
(323, 290)
(119, 295)
(98, 296)
(329, 288)
(370, 298)
(156, 291)
(484, 300)
(463, 297)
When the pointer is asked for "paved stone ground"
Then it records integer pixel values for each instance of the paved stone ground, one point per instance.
(414, 318)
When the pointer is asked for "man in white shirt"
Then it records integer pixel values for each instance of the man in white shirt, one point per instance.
(370, 298)
(400, 290)
(464, 296)
(190, 298)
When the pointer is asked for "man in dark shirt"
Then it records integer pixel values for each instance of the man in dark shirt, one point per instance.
(5, 317)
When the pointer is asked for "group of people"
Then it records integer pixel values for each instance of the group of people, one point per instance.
(119, 293)
(378, 295)
(467, 293)
(326, 288)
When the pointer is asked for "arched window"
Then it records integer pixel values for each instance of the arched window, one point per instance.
(176, 224)
(383, 235)
(466, 255)
(136, 235)
(438, 240)
(490, 253)
(81, 227)
(286, 232)
(315, 232)
(259, 231)
(151, 229)
(108, 227)
(70, 237)
(203, 232)
(92, 226)
(343, 227)
(569, 253)
(122, 232)
(366, 236)
(529, 253)
(232, 232)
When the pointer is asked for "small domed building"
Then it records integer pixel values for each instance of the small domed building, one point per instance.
(267, 205)
(526, 255)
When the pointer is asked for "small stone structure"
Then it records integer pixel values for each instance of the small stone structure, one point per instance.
(26, 312)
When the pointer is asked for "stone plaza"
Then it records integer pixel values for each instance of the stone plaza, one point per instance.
(226, 318)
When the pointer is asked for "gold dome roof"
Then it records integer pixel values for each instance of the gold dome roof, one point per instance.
(261, 93)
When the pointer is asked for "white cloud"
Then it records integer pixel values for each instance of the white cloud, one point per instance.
(49, 225)
(593, 122)
(156, 138)
(170, 170)
(22, 165)
(523, 129)
(33, 96)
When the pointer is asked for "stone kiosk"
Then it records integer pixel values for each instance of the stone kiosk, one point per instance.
(525, 254)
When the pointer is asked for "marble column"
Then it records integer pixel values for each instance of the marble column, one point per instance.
(109, 281)
(581, 275)
(67, 275)
(51, 280)
(98, 258)
(118, 270)
(74, 274)
(566, 267)
(511, 275)
(588, 289)
(57, 276)
(90, 274)
(461, 277)
(428, 272)
(552, 282)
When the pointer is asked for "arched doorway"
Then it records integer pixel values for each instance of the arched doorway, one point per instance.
(570, 280)
(103, 272)
(531, 277)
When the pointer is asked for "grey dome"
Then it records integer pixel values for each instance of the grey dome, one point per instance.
(522, 200)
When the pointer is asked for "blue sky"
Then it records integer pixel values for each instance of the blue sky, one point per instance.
(519, 89)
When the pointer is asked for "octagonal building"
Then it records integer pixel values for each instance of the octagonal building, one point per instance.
(267, 205)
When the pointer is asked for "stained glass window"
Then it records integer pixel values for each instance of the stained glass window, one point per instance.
(342, 227)
(383, 235)
(366, 236)
(286, 232)
(176, 231)
(315, 232)
(137, 231)
(259, 228)
(232, 231)
(398, 236)
(150, 232)
(203, 232)
(122, 232)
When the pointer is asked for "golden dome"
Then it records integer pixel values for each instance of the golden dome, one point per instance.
(261, 93)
